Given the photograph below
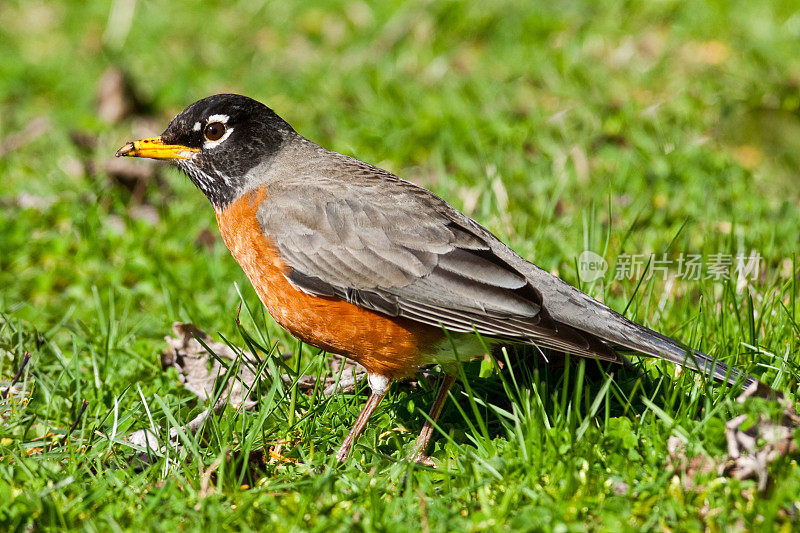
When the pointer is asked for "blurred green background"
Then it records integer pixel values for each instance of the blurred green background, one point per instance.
(619, 127)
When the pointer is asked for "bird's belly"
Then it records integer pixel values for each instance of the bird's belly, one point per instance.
(389, 346)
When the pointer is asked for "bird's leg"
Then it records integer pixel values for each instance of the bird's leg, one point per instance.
(379, 386)
(424, 439)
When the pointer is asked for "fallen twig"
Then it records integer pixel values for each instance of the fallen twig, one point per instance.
(17, 377)
(84, 405)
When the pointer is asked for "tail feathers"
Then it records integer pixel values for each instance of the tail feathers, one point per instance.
(579, 311)
(662, 347)
(707, 365)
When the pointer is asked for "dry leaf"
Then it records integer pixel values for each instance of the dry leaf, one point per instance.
(117, 98)
(206, 238)
(35, 129)
(200, 372)
(132, 174)
(745, 459)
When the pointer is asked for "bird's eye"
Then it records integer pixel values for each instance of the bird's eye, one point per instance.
(214, 131)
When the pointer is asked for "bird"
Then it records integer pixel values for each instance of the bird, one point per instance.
(356, 261)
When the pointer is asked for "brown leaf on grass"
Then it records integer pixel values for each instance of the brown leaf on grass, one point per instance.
(83, 140)
(199, 372)
(26, 200)
(35, 129)
(619, 487)
(746, 459)
(149, 439)
(131, 174)
(688, 467)
(144, 212)
(117, 97)
(206, 238)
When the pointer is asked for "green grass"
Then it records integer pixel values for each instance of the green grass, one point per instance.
(635, 128)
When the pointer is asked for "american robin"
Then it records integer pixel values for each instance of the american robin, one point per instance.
(356, 261)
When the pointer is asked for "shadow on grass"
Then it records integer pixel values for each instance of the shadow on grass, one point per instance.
(565, 389)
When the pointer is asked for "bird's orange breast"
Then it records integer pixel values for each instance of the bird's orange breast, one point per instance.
(389, 346)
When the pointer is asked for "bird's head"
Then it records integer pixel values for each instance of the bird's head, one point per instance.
(217, 141)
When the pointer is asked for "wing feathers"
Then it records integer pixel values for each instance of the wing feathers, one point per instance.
(403, 254)
(465, 264)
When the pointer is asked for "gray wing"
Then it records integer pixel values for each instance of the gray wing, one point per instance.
(387, 245)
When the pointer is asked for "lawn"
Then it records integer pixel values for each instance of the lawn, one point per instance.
(641, 131)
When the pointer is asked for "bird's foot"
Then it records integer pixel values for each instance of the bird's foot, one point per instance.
(343, 453)
(422, 459)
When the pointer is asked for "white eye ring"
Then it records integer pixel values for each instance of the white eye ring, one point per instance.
(220, 121)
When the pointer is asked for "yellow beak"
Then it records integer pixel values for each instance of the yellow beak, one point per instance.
(154, 148)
